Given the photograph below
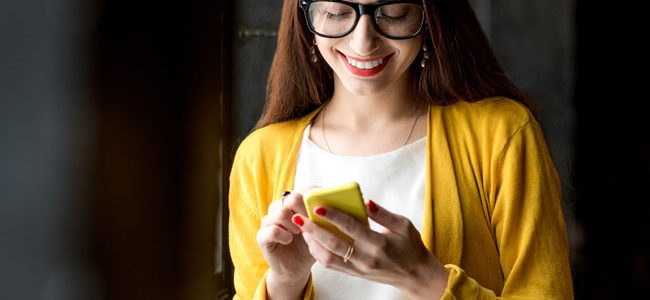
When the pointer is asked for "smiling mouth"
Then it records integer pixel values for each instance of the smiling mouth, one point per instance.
(365, 64)
(365, 68)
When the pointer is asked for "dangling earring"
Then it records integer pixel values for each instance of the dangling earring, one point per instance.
(312, 49)
(425, 55)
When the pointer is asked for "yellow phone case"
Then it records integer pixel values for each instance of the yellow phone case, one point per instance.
(345, 197)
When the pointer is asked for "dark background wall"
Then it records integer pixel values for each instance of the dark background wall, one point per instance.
(253, 47)
(118, 119)
(612, 161)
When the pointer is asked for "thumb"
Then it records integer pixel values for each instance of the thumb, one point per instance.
(393, 222)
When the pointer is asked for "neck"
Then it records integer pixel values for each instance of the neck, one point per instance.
(393, 103)
(369, 120)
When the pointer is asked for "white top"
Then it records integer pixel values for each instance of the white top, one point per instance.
(394, 179)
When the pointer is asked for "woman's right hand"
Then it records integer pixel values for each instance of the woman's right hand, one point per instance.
(284, 249)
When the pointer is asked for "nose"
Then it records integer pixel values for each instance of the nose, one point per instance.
(363, 39)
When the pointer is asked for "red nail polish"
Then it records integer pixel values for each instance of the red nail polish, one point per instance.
(297, 220)
(320, 211)
(372, 206)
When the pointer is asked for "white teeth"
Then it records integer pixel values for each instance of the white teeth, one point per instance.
(365, 64)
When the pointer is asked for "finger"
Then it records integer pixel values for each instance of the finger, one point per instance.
(294, 202)
(323, 255)
(346, 223)
(280, 216)
(279, 203)
(328, 259)
(393, 222)
(268, 237)
(281, 210)
(325, 238)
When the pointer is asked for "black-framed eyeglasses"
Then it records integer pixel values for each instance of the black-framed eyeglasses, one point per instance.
(393, 19)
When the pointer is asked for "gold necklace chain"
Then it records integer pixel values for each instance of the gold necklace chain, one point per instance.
(408, 137)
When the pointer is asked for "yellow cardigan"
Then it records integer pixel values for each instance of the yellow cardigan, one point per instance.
(492, 202)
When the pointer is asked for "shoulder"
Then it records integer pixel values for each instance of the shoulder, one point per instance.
(269, 134)
(502, 112)
(483, 127)
(273, 140)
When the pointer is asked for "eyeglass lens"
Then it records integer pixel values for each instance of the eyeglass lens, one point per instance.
(394, 19)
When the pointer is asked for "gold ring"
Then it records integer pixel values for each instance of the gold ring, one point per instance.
(348, 254)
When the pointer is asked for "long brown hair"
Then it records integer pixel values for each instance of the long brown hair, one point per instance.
(462, 66)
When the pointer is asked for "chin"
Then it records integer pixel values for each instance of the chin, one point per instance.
(366, 90)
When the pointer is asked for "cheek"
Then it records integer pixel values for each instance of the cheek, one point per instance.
(327, 54)
(324, 49)
(409, 49)
(323, 45)
(416, 47)
(409, 54)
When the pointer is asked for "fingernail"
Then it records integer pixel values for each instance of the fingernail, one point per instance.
(285, 193)
(296, 219)
(320, 211)
(372, 206)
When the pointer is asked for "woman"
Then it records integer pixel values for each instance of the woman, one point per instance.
(406, 98)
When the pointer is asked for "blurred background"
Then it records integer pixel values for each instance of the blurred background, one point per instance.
(118, 121)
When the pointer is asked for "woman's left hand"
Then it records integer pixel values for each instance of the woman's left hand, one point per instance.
(396, 256)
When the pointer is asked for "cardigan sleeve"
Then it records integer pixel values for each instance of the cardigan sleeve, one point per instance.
(527, 223)
(249, 195)
(243, 222)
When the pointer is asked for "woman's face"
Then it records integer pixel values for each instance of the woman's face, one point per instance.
(366, 63)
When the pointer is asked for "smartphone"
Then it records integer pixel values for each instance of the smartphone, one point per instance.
(345, 197)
